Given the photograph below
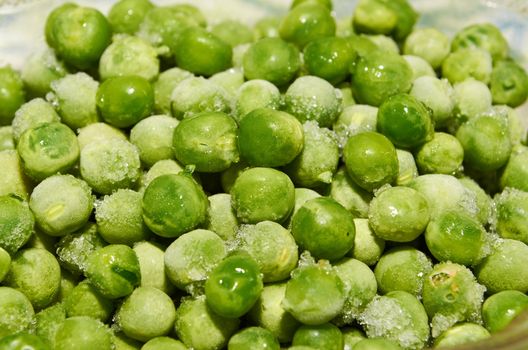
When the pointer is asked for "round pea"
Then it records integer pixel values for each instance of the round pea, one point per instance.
(23, 341)
(509, 84)
(16, 312)
(163, 343)
(40, 70)
(442, 155)
(83, 333)
(197, 94)
(255, 338)
(329, 58)
(428, 43)
(515, 173)
(324, 336)
(85, 300)
(98, 132)
(16, 223)
(460, 334)
(12, 94)
(467, 63)
(482, 35)
(125, 16)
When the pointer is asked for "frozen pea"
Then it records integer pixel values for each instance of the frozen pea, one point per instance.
(383, 42)
(221, 218)
(67, 283)
(399, 214)
(98, 132)
(398, 316)
(153, 138)
(16, 223)
(109, 165)
(419, 67)
(504, 268)
(428, 43)
(269, 138)
(315, 294)
(152, 266)
(462, 333)
(347, 98)
(486, 142)
(318, 160)
(324, 228)
(515, 124)
(272, 59)
(307, 22)
(200, 328)
(302, 195)
(467, 63)
(438, 95)
(40, 70)
(74, 99)
(230, 79)
(326, 3)
(379, 75)
(113, 270)
(324, 336)
(48, 321)
(402, 268)
(36, 273)
(189, 259)
(228, 177)
(163, 87)
(360, 287)
(500, 309)
(376, 344)
(450, 295)
(48, 149)
(511, 214)
(260, 194)
(23, 340)
(255, 94)
(347, 193)
(85, 300)
(485, 36)
(32, 114)
(269, 313)
(16, 311)
(266, 27)
(329, 58)
(197, 94)
(83, 333)
(121, 342)
(472, 98)
(312, 98)
(207, 141)
(192, 12)
(174, 204)
(232, 32)
(256, 338)
(407, 169)
(351, 336)
(125, 16)
(7, 141)
(147, 313)
(367, 246)
(353, 120)
(370, 159)
(483, 200)
(41, 240)
(238, 55)
(161, 167)
(441, 155)
(515, 173)
(509, 83)
(163, 343)
(5, 263)
(129, 55)
(61, 204)
(272, 246)
(119, 218)
(73, 249)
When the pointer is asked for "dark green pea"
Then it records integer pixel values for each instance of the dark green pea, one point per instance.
(16, 223)
(378, 75)
(272, 59)
(233, 286)
(306, 22)
(509, 83)
(484, 36)
(23, 341)
(324, 228)
(79, 35)
(125, 16)
(12, 94)
(174, 204)
(124, 101)
(502, 308)
(329, 58)
(201, 52)
(113, 270)
(255, 338)
(371, 160)
(405, 121)
(206, 141)
(325, 336)
(270, 138)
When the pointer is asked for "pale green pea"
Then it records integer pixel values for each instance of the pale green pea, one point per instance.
(221, 218)
(98, 132)
(40, 69)
(197, 94)
(164, 85)
(368, 247)
(436, 94)
(152, 266)
(13, 179)
(32, 114)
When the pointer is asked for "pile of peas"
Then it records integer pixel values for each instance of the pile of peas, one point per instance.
(306, 183)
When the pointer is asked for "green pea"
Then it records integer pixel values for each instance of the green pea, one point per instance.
(125, 100)
(510, 208)
(377, 344)
(152, 266)
(98, 132)
(500, 309)
(383, 43)
(16, 312)
(379, 75)
(113, 270)
(443, 154)
(429, 44)
(482, 35)
(467, 63)
(266, 27)
(367, 246)
(61, 204)
(436, 94)
(272, 59)
(472, 99)
(232, 32)
(269, 138)
(255, 94)
(255, 338)
(85, 300)
(370, 160)
(324, 336)
(163, 343)
(40, 70)
(233, 286)
(260, 194)
(329, 58)
(50, 21)
(79, 35)
(325, 228)
(12, 94)
(221, 218)
(314, 294)
(355, 119)
(463, 333)
(7, 142)
(200, 328)
(419, 66)
(515, 172)
(182, 208)
(407, 169)
(48, 149)
(48, 321)
(16, 223)
(508, 83)
(483, 200)
(196, 95)
(125, 16)
(163, 167)
(192, 12)
(5, 263)
(147, 313)
(14, 180)
(163, 87)
(121, 342)
(326, 3)
(347, 193)
(23, 341)
(83, 333)
(307, 22)
(202, 52)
